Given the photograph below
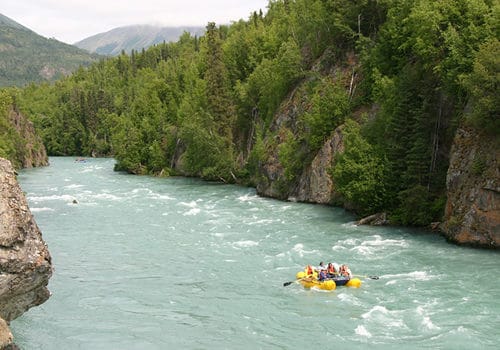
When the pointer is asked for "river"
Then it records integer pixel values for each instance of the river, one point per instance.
(177, 263)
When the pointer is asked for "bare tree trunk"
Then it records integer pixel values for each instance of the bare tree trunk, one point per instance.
(435, 142)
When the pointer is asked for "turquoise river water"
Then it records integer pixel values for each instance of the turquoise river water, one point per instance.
(176, 263)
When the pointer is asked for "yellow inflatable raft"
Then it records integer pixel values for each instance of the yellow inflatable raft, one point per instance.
(311, 281)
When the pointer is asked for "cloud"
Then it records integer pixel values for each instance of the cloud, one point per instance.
(73, 20)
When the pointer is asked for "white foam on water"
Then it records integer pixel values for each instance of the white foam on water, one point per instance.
(41, 209)
(349, 241)
(378, 241)
(381, 315)
(361, 330)
(247, 197)
(415, 275)
(191, 204)
(261, 221)
(349, 299)
(365, 251)
(64, 197)
(299, 249)
(192, 212)
(73, 186)
(246, 244)
(426, 320)
(376, 309)
(107, 196)
(351, 224)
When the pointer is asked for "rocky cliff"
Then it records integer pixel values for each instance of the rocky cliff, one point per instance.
(472, 213)
(31, 151)
(315, 184)
(25, 262)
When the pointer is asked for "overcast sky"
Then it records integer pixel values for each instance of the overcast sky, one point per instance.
(73, 20)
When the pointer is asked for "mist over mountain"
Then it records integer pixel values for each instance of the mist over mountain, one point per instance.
(27, 57)
(136, 37)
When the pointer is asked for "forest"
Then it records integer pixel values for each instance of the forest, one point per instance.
(397, 76)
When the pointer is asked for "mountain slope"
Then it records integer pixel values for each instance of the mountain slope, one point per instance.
(131, 38)
(28, 57)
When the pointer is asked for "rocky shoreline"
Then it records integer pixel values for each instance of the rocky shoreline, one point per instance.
(25, 261)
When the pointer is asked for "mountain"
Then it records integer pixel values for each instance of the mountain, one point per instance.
(136, 37)
(28, 57)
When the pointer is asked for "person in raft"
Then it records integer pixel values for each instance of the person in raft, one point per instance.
(345, 271)
(320, 267)
(331, 270)
(322, 275)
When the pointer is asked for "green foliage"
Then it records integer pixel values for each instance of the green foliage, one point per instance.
(27, 57)
(359, 172)
(478, 165)
(483, 84)
(289, 152)
(7, 134)
(208, 106)
(330, 107)
(415, 208)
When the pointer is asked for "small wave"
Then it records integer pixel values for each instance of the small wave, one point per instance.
(72, 186)
(349, 299)
(379, 314)
(262, 221)
(337, 248)
(299, 248)
(351, 224)
(378, 241)
(246, 244)
(350, 241)
(137, 190)
(247, 197)
(107, 196)
(191, 204)
(375, 309)
(365, 251)
(64, 197)
(426, 320)
(41, 209)
(415, 275)
(191, 212)
(161, 196)
(361, 330)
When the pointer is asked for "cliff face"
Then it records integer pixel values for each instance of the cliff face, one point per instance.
(315, 184)
(31, 152)
(472, 213)
(25, 262)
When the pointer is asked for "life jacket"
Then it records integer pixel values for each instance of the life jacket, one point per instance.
(309, 270)
(344, 271)
(331, 269)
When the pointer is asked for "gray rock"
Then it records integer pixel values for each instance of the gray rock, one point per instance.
(5, 335)
(25, 262)
(472, 213)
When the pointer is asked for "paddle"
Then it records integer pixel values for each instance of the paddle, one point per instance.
(289, 283)
(371, 277)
